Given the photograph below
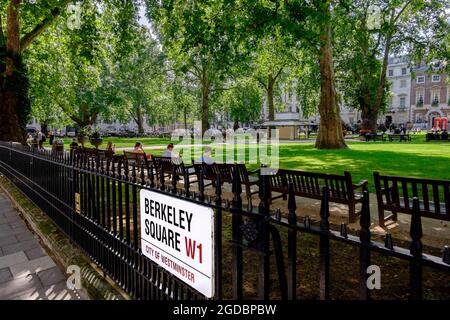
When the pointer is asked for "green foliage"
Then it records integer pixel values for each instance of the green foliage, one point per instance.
(242, 103)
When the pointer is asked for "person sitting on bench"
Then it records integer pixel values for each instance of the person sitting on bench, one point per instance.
(206, 157)
(139, 149)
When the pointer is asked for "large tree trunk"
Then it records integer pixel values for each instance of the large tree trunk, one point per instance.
(330, 133)
(270, 103)
(140, 121)
(11, 95)
(205, 107)
(44, 129)
(14, 101)
(369, 118)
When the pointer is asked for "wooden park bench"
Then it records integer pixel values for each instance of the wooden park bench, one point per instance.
(374, 137)
(138, 158)
(399, 137)
(437, 137)
(225, 171)
(310, 184)
(166, 166)
(106, 154)
(395, 194)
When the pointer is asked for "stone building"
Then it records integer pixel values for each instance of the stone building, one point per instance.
(430, 97)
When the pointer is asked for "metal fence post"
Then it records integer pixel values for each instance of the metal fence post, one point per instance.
(237, 235)
(324, 246)
(264, 238)
(292, 244)
(415, 266)
(364, 251)
(218, 240)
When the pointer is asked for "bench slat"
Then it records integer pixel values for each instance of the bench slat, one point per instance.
(424, 189)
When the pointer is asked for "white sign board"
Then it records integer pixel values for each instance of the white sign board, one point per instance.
(179, 236)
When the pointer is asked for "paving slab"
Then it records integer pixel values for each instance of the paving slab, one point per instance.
(20, 246)
(7, 240)
(28, 267)
(16, 287)
(12, 259)
(5, 275)
(35, 253)
(50, 276)
(26, 271)
(24, 236)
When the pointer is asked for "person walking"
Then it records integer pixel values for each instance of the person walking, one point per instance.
(40, 140)
(51, 137)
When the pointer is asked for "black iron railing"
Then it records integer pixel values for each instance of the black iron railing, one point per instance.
(104, 223)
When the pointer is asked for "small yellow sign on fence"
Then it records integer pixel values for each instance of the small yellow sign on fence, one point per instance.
(77, 203)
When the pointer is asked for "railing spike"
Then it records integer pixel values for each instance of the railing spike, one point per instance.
(364, 222)
(307, 222)
(324, 210)
(344, 232)
(278, 214)
(446, 255)
(389, 242)
(416, 229)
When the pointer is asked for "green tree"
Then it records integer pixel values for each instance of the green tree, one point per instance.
(199, 37)
(369, 32)
(272, 57)
(242, 103)
(25, 21)
(309, 23)
(138, 74)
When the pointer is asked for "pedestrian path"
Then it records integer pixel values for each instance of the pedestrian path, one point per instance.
(26, 271)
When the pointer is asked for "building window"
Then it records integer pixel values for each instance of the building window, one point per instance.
(402, 83)
(391, 72)
(420, 79)
(448, 96)
(402, 102)
(435, 97)
(419, 98)
(419, 118)
(403, 71)
(436, 78)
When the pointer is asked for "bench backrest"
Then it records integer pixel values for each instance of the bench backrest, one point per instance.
(397, 193)
(310, 184)
(89, 152)
(208, 170)
(167, 164)
(105, 154)
(137, 157)
(225, 170)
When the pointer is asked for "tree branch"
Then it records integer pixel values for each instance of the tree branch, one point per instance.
(401, 11)
(278, 73)
(41, 27)
(261, 83)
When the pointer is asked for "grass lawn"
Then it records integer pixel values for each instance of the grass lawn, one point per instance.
(120, 142)
(417, 158)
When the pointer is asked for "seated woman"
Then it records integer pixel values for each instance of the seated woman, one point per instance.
(110, 147)
(138, 148)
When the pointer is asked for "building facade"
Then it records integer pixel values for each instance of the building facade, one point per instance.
(399, 100)
(416, 97)
(430, 93)
(290, 120)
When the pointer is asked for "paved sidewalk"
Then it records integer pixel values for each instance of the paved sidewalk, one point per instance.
(26, 271)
